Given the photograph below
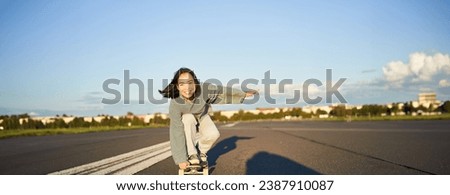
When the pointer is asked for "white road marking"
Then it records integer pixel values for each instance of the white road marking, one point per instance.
(124, 164)
(230, 125)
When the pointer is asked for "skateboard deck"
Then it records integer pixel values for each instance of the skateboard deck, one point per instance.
(195, 169)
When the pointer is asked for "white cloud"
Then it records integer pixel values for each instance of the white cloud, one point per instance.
(33, 114)
(396, 72)
(420, 68)
(444, 83)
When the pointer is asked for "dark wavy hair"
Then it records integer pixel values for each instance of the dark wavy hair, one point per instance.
(171, 91)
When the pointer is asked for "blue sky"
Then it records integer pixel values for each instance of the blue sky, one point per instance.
(55, 55)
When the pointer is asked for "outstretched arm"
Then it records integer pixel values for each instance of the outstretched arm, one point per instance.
(226, 95)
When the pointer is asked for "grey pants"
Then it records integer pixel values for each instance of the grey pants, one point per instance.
(205, 137)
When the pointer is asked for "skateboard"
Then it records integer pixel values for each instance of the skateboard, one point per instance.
(195, 169)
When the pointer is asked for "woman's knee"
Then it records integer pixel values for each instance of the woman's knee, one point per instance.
(216, 135)
(188, 119)
(212, 135)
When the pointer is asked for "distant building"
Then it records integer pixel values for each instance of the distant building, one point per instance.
(67, 119)
(43, 119)
(147, 117)
(228, 113)
(22, 120)
(96, 118)
(313, 109)
(267, 110)
(428, 99)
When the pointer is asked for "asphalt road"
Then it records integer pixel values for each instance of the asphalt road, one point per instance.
(253, 148)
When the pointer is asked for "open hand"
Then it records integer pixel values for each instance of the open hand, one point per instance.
(250, 93)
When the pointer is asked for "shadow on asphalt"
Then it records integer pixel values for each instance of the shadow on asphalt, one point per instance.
(264, 163)
(222, 148)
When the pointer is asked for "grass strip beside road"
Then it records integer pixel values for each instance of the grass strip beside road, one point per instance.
(40, 132)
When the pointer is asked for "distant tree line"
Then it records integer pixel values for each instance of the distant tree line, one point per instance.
(337, 111)
(379, 110)
(24, 121)
(244, 116)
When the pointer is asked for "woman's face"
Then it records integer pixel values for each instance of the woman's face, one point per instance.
(186, 85)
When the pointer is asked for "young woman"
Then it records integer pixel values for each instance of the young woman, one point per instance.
(192, 132)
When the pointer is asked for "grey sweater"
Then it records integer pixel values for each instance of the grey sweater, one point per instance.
(200, 106)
